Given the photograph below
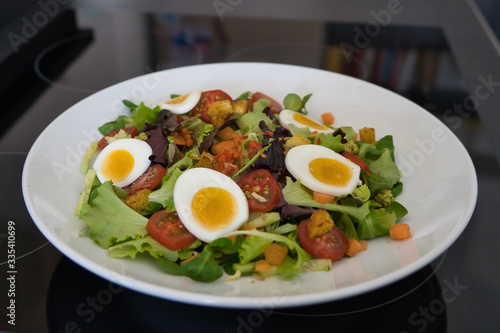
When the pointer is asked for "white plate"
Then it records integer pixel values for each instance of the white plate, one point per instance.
(440, 186)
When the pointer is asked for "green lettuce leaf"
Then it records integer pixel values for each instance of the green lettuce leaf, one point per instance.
(250, 121)
(252, 247)
(293, 246)
(165, 194)
(344, 223)
(146, 244)
(203, 268)
(168, 266)
(120, 122)
(398, 209)
(376, 224)
(362, 193)
(350, 133)
(226, 246)
(297, 194)
(260, 105)
(329, 141)
(111, 221)
(385, 173)
(143, 114)
(199, 128)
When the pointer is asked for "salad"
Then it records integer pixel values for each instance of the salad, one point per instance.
(207, 184)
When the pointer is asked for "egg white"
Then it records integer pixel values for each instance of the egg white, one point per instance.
(193, 180)
(140, 150)
(286, 118)
(186, 105)
(297, 163)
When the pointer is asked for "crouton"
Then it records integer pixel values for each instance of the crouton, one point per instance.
(226, 134)
(219, 111)
(138, 200)
(367, 135)
(242, 106)
(319, 223)
(296, 140)
(206, 160)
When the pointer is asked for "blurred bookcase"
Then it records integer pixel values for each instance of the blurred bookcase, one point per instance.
(412, 61)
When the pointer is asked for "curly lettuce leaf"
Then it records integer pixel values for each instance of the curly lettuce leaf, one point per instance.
(250, 121)
(199, 128)
(253, 247)
(304, 131)
(111, 221)
(143, 114)
(145, 244)
(302, 255)
(165, 194)
(331, 142)
(297, 194)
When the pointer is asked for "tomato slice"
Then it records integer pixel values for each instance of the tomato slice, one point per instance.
(356, 160)
(332, 245)
(273, 105)
(149, 179)
(131, 130)
(167, 229)
(261, 189)
(207, 98)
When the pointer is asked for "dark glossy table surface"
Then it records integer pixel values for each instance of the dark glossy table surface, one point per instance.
(438, 54)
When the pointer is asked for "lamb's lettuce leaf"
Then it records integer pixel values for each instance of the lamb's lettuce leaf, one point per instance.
(376, 224)
(203, 268)
(385, 173)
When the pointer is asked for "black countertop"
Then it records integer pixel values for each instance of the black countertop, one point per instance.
(449, 65)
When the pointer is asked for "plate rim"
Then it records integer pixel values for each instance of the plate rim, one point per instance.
(245, 301)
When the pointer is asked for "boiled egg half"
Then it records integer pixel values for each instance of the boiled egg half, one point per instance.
(209, 203)
(322, 170)
(123, 161)
(184, 103)
(287, 117)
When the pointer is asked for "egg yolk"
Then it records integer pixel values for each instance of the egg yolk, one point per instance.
(330, 171)
(117, 165)
(213, 208)
(300, 118)
(177, 100)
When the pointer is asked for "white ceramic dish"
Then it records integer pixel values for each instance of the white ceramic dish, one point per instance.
(440, 186)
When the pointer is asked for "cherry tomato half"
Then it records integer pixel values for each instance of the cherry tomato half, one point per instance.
(273, 105)
(261, 189)
(356, 160)
(149, 179)
(332, 245)
(131, 130)
(207, 98)
(167, 229)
